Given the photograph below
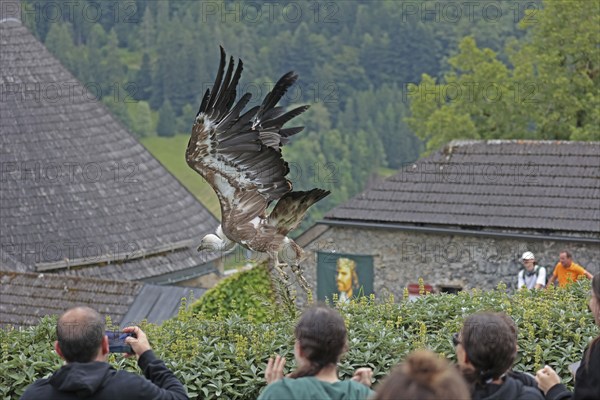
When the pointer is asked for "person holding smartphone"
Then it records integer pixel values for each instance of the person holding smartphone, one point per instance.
(83, 344)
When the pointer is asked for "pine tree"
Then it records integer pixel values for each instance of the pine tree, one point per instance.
(143, 79)
(60, 42)
(142, 119)
(166, 120)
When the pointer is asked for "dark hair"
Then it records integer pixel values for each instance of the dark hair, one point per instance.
(596, 287)
(424, 376)
(321, 334)
(511, 324)
(490, 345)
(80, 331)
(596, 295)
(567, 253)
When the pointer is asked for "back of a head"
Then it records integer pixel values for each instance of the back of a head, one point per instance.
(424, 376)
(511, 324)
(80, 331)
(321, 334)
(490, 345)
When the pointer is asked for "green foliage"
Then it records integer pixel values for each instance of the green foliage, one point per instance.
(141, 114)
(224, 357)
(353, 58)
(246, 293)
(548, 88)
(563, 60)
(143, 79)
(166, 120)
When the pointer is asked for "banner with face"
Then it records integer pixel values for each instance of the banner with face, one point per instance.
(347, 275)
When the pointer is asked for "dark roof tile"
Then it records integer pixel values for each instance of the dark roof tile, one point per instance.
(26, 297)
(74, 180)
(521, 184)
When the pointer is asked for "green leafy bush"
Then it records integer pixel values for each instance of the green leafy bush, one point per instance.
(224, 356)
(248, 293)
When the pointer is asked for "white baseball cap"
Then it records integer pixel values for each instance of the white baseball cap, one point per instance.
(528, 256)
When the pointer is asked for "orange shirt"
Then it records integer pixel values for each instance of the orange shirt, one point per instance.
(564, 274)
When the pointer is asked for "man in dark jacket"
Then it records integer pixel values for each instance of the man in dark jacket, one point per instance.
(82, 343)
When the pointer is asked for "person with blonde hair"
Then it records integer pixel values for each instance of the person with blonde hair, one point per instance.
(347, 278)
(424, 376)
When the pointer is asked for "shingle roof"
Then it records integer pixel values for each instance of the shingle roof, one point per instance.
(26, 297)
(519, 184)
(76, 187)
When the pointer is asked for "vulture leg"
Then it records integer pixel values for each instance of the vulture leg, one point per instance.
(275, 264)
(295, 266)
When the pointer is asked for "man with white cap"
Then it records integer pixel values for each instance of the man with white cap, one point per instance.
(532, 276)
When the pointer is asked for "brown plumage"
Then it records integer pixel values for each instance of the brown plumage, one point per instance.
(240, 157)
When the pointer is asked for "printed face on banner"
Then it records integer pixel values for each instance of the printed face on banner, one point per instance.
(348, 276)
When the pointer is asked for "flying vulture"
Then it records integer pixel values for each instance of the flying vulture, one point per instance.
(240, 157)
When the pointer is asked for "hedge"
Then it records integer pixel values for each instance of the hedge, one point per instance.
(247, 293)
(224, 356)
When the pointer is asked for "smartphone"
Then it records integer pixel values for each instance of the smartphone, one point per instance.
(116, 342)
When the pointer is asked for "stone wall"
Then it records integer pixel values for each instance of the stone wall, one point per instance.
(401, 258)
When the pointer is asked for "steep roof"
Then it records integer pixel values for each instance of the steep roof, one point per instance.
(77, 189)
(26, 297)
(496, 184)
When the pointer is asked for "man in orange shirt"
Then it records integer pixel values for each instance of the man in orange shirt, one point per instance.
(566, 270)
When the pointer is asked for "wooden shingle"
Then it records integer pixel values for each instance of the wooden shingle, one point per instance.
(496, 184)
(27, 297)
(78, 192)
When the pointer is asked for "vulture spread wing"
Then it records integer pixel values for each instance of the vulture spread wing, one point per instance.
(238, 154)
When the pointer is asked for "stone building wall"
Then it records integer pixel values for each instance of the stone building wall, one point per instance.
(465, 261)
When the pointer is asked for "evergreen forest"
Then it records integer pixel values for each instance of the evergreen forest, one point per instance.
(388, 81)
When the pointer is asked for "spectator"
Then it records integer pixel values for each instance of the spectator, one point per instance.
(566, 270)
(587, 377)
(320, 342)
(425, 376)
(82, 343)
(532, 276)
(486, 349)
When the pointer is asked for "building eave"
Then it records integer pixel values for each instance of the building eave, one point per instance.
(457, 231)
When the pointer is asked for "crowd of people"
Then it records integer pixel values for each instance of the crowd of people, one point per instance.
(486, 348)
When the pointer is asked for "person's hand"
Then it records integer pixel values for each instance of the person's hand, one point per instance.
(546, 378)
(140, 344)
(274, 371)
(363, 375)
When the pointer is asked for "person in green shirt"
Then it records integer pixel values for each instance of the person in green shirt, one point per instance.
(321, 339)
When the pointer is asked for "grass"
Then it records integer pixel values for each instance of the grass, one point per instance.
(386, 172)
(171, 153)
